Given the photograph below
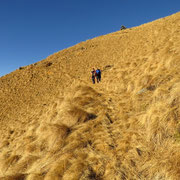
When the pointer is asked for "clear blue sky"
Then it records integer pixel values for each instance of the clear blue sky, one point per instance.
(31, 30)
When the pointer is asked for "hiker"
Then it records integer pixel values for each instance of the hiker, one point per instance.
(98, 75)
(93, 75)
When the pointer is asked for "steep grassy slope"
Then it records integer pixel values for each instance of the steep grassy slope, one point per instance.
(55, 124)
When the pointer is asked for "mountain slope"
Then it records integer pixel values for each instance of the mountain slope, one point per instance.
(55, 124)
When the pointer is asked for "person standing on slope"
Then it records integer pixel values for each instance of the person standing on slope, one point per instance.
(93, 75)
(98, 75)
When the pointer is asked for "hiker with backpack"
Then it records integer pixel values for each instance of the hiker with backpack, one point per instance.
(98, 75)
(93, 72)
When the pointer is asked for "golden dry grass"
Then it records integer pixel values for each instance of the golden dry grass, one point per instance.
(55, 124)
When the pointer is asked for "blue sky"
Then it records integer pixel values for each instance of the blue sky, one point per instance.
(31, 30)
